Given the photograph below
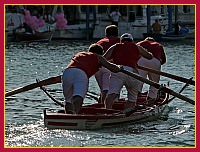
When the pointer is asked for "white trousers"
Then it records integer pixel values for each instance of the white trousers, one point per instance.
(74, 82)
(153, 64)
(119, 79)
(103, 78)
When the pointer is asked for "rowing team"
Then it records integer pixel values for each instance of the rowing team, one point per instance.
(105, 59)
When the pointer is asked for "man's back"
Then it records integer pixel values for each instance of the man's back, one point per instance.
(108, 42)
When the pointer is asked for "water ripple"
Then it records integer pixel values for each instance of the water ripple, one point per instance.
(24, 112)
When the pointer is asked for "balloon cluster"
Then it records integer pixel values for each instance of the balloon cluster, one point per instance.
(61, 22)
(33, 21)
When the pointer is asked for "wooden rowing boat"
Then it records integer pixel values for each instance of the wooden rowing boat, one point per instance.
(38, 36)
(165, 37)
(95, 116)
(172, 37)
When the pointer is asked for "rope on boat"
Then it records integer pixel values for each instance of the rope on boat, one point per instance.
(51, 97)
(183, 88)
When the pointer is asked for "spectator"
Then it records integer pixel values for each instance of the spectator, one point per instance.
(177, 28)
(156, 27)
(115, 15)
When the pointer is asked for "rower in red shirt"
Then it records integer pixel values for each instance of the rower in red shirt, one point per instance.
(111, 33)
(103, 75)
(75, 77)
(159, 58)
(125, 53)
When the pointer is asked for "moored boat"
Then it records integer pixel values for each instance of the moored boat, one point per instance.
(37, 36)
(172, 37)
(95, 116)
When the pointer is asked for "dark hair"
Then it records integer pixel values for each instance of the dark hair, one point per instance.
(96, 48)
(111, 30)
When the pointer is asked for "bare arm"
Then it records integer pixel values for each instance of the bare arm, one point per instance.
(145, 53)
(111, 66)
(163, 58)
(108, 53)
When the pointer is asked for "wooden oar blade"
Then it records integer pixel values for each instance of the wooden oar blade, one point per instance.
(178, 78)
(158, 86)
(49, 81)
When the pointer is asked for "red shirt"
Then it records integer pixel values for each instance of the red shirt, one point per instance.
(154, 47)
(86, 61)
(108, 42)
(126, 54)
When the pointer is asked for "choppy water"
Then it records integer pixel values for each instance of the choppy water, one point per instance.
(23, 112)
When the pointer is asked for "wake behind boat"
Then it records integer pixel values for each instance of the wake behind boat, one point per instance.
(95, 116)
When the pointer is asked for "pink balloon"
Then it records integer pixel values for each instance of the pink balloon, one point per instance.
(27, 12)
(61, 22)
(41, 22)
(34, 18)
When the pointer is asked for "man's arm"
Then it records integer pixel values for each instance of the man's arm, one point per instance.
(163, 58)
(110, 66)
(108, 53)
(145, 53)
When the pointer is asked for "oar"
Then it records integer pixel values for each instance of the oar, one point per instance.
(178, 78)
(156, 85)
(49, 81)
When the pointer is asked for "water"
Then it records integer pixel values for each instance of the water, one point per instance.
(24, 111)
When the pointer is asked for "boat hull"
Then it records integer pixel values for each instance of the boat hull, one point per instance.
(38, 36)
(90, 122)
(173, 37)
(165, 37)
(95, 116)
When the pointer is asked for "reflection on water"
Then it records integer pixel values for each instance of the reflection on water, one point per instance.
(24, 123)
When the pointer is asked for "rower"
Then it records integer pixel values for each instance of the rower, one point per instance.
(159, 58)
(103, 75)
(75, 77)
(125, 53)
